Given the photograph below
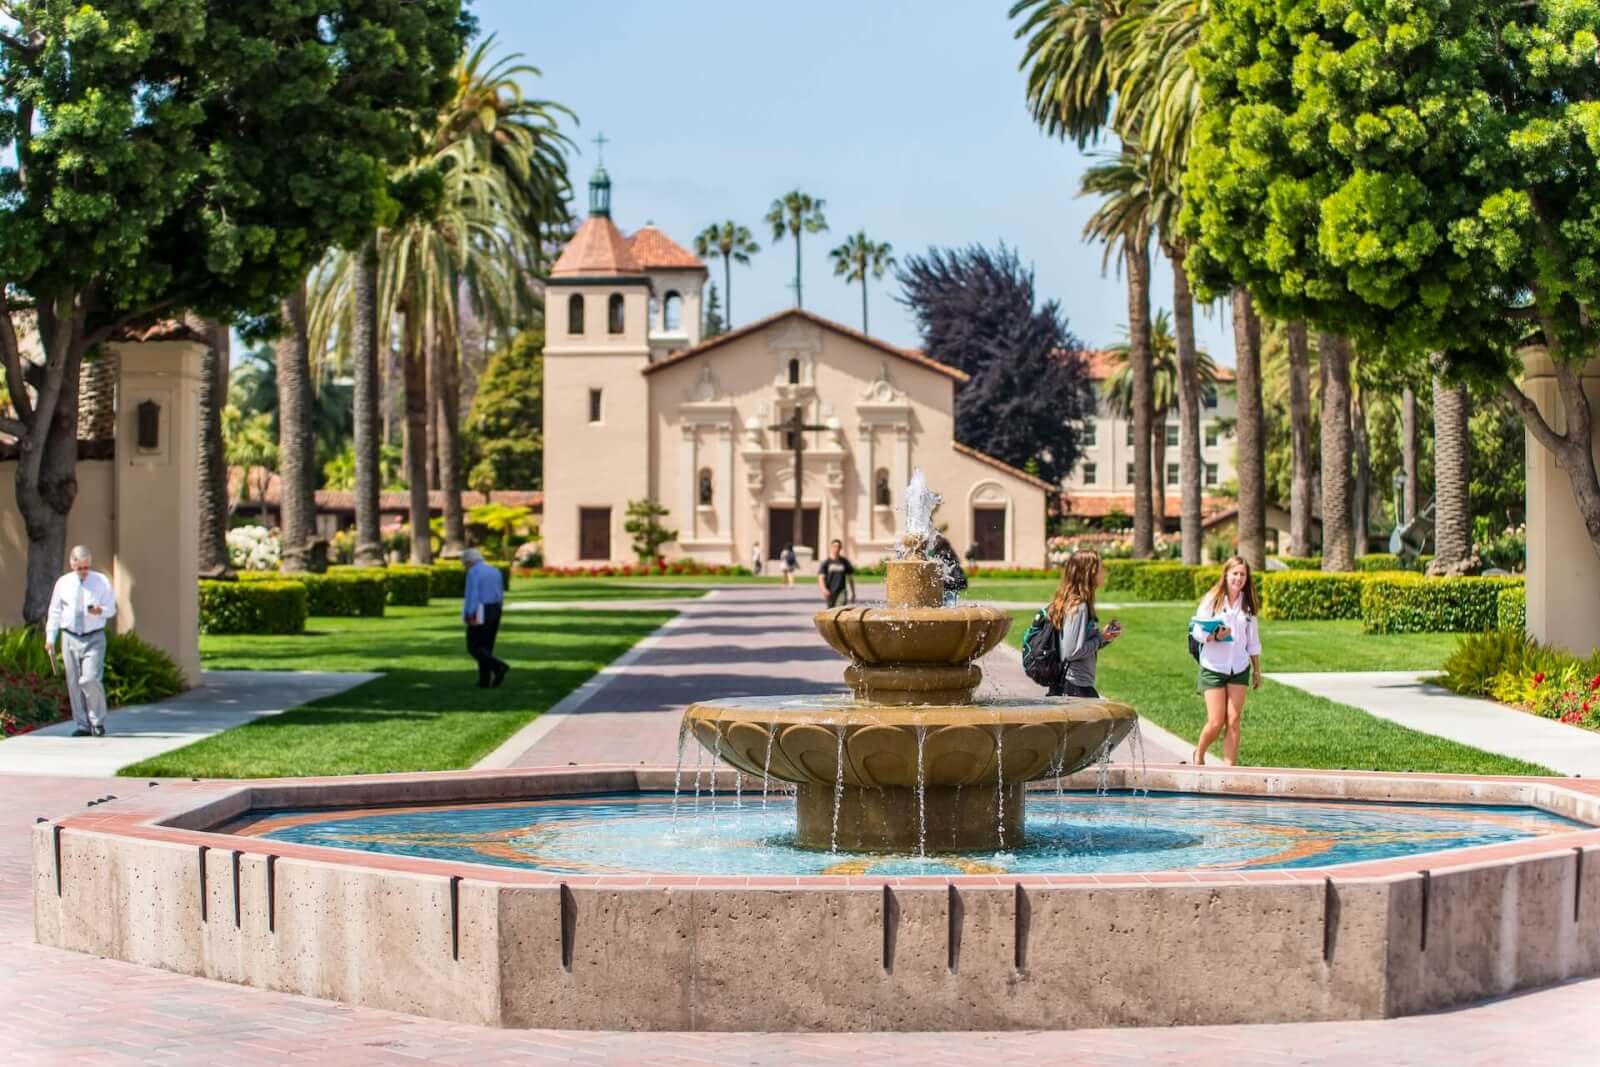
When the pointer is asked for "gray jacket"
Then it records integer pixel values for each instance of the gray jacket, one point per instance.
(1080, 645)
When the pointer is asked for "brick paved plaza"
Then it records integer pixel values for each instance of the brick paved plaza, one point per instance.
(65, 1008)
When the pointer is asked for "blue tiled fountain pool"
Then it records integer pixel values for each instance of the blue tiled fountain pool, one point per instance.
(1069, 833)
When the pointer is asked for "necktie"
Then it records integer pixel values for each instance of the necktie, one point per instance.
(77, 617)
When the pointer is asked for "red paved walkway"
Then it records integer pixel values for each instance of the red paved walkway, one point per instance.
(63, 1008)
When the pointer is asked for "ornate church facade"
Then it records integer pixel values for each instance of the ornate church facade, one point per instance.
(637, 405)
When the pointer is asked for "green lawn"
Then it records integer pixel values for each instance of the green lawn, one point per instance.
(424, 714)
(597, 589)
(1149, 667)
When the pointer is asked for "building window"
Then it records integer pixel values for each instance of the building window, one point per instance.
(672, 313)
(1130, 474)
(881, 495)
(794, 372)
(594, 405)
(1129, 434)
(1211, 435)
(614, 320)
(1211, 474)
(575, 314)
(1172, 435)
(655, 313)
(1091, 434)
(1211, 397)
(706, 488)
(1172, 474)
(1091, 473)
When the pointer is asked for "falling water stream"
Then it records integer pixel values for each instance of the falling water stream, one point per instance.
(766, 764)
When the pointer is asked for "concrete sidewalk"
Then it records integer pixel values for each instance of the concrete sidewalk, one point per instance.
(222, 700)
(1402, 697)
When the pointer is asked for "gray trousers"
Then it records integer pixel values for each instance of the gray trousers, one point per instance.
(84, 659)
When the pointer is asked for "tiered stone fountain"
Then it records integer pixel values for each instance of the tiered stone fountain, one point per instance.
(911, 764)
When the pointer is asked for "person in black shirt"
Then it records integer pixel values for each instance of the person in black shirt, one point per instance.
(836, 575)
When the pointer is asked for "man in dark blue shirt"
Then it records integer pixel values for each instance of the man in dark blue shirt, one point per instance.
(835, 575)
(480, 610)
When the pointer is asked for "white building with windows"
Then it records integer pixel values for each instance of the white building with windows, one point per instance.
(1102, 482)
(638, 405)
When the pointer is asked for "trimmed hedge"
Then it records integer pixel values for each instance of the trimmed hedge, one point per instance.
(252, 607)
(343, 592)
(1301, 563)
(1311, 595)
(1120, 572)
(1375, 562)
(449, 580)
(1411, 603)
(1206, 576)
(1163, 581)
(409, 585)
(1511, 609)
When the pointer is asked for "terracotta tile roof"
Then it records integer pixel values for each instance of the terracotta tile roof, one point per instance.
(162, 330)
(598, 248)
(654, 250)
(1103, 363)
(1087, 506)
(984, 457)
(911, 355)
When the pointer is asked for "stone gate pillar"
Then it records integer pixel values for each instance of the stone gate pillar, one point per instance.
(156, 497)
(1563, 570)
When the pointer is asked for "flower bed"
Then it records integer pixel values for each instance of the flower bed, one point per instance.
(1514, 669)
(31, 695)
(689, 568)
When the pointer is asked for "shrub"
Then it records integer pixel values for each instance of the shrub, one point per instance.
(1513, 669)
(346, 592)
(1163, 581)
(1374, 562)
(29, 701)
(685, 567)
(1206, 576)
(1511, 609)
(1307, 595)
(1480, 658)
(138, 672)
(1409, 603)
(1301, 563)
(256, 607)
(253, 548)
(449, 580)
(408, 585)
(1119, 573)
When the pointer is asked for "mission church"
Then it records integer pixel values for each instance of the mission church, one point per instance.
(638, 405)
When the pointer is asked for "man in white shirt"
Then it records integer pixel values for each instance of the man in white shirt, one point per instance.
(80, 606)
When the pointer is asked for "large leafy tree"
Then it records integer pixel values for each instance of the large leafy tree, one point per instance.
(1424, 177)
(734, 244)
(182, 155)
(859, 257)
(795, 213)
(1029, 391)
(507, 415)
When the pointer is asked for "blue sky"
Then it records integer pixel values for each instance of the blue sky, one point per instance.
(907, 118)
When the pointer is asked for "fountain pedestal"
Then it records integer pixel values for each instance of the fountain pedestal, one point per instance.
(909, 763)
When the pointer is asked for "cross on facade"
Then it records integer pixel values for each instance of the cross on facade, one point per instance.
(601, 140)
(796, 428)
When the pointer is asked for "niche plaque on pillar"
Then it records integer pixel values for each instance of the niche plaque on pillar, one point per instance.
(149, 426)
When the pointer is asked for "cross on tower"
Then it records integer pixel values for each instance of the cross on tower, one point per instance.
(796, 427)
(601, 140)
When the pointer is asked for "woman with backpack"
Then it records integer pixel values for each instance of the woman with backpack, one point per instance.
(1071, 612)
(1229, 637)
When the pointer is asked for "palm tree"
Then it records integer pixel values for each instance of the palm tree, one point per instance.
(1337, 547)
(1122, 223)
(859, 256)
(296, 436)
(735, 245)
(790, 214)
(368, 440)
(1250, 458)
(1452, 476)
(213, 486)
(1409, 455)
(1300, 439)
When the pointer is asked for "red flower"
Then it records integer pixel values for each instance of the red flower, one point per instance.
(1594, 683)
(1538, 679)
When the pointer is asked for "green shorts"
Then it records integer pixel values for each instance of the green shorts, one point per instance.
(1217, 680)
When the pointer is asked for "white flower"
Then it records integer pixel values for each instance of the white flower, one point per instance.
(253, 548)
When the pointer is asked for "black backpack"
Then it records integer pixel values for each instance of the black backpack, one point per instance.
(1041, 651)
(1194, 647)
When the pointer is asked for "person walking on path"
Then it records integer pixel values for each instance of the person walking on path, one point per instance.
(755, 558)
(80, 606)
(480, 610)
(1226, 627)
(790, 562)
(1071, 612)
(835, 574)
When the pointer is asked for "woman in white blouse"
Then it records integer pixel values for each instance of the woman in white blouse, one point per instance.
(1230, 655)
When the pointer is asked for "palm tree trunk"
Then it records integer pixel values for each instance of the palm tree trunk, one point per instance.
(864, 303)
(296, 437)
(1249, 455)
(1190, 518)
(1140, 359)
(415, 362)
(1300, 484)
(1361, 502)
(213, 488)
(727, 291)
(1337, 553)
(1408, 455)
(369, 453)
(1158, 473)
(446, 363)
(1452, 478)
(432, 347)
(798, 302)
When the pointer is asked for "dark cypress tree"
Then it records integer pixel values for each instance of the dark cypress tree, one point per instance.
(1030, 388)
